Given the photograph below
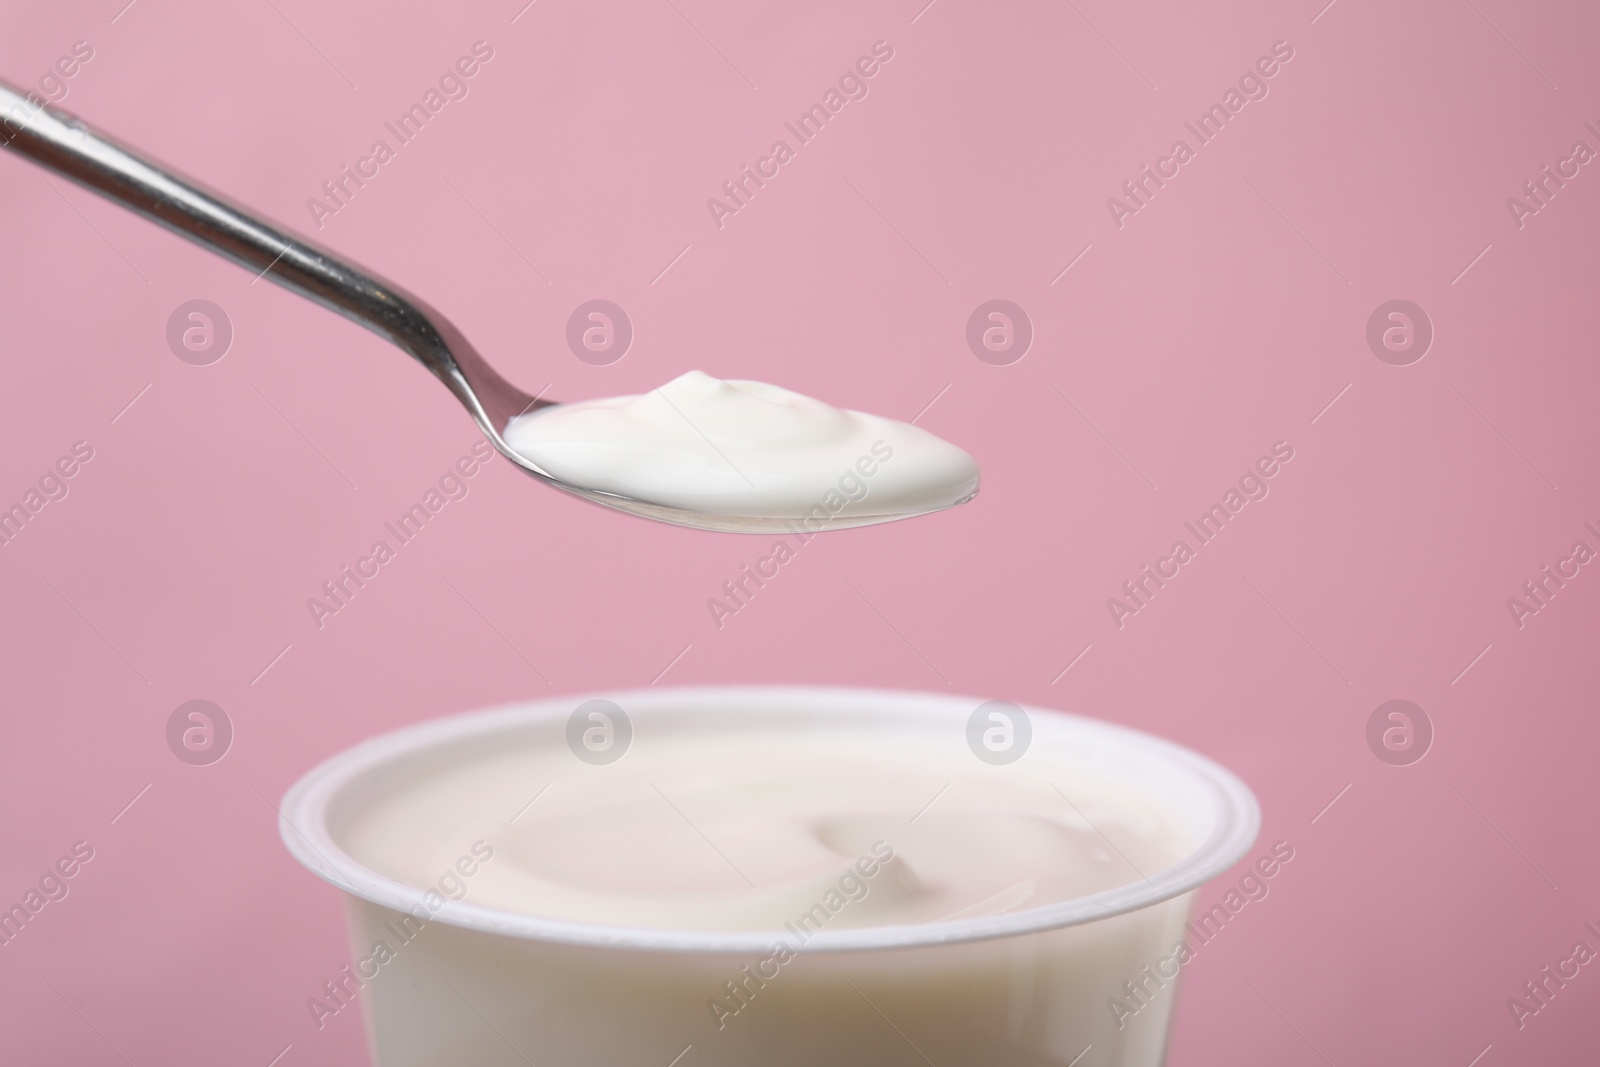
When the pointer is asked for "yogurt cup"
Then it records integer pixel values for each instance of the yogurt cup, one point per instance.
(445, 980)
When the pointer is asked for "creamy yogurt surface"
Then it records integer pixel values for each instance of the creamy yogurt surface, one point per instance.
(701, 444)
(749, 832)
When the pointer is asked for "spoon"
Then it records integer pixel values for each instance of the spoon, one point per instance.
(62, 143)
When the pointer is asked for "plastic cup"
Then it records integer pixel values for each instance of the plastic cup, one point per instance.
(462, 983)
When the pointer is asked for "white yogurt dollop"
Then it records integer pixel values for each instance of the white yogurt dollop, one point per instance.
(742, 448)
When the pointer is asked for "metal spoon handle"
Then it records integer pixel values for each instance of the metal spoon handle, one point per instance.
(62, 143)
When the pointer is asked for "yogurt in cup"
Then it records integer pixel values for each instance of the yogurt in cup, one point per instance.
(770, 875)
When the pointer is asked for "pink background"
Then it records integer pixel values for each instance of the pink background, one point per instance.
(1223, 317)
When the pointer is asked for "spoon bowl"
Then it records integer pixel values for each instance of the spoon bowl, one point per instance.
(60, 142)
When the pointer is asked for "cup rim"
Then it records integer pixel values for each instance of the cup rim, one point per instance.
(303, 823)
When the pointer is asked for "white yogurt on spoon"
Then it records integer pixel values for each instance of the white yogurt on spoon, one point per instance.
(743, 448)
